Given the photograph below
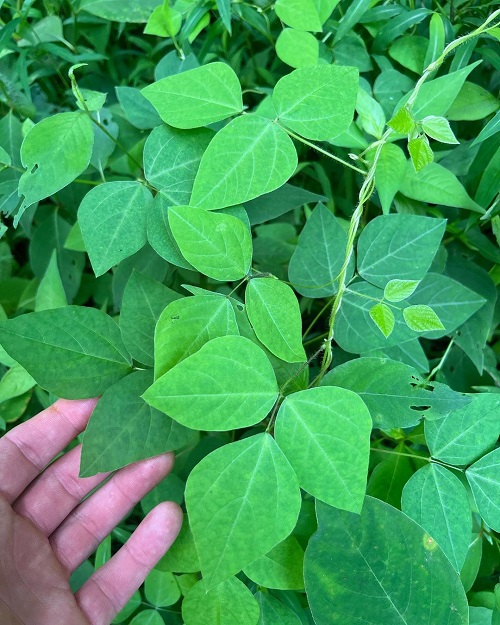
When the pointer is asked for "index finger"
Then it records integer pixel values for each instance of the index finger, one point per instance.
(28, 448)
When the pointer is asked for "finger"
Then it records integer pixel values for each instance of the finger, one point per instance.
(89, 523)
(112, 585)
(56, 492)
(28, 448)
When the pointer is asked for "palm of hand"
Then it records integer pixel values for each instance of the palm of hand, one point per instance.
(46, 531)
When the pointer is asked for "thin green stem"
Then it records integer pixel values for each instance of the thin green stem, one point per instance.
(313, 322)
(441, 362)
(401, 453)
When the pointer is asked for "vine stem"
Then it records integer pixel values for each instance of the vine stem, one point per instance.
(369, 185)
(416, 457)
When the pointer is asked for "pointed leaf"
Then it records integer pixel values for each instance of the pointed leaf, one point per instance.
(247, 158)
(383, 317)
(281, 568)
(438, 128)
(275, 612)
(50, 293)
(391, 167)
(196, 97)
(422, 318)
(242, 500)
(420, 152)
(403, 122)
(160, 234)
(399, 290)
(484, 480)
(229, 383)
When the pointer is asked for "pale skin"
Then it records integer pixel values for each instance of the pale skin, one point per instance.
(46, 531)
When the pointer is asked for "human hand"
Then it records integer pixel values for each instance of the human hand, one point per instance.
(46, 531)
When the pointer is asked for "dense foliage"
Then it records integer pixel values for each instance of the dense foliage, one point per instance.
(267, 234)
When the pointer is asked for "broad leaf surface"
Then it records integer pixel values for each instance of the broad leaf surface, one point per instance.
(438, 501)
(182, 557)
(197, 97)
(242, 500)
(187, 324)
(387, 570)
(120, 10)
(484, 480)
(229, 383)
(112, 218)
(274, 313)
(317, 102)
(161, 588)
(398, 247)
(160, 235)
(325, 434)
(275, 612)
(281, 568)
(391, 167)
(465, 434)
(73, 352)
(217, 245)
(247, 158)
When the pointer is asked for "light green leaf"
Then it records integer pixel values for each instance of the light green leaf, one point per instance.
(318, 257)
(112, 217)
(187, 324)
(247, 158)
(302, 14)
(197, 97)
(50, 293)
(282, 568)
(420, 152)
(147, 617)
(398, 247)
(438, 501)
(391, 167)
(182, 556)
(143, 301)
(491, 128)
(160, 234)
(228, 603)
(325, 434)
(466, 434)
(16, 382)
(274, 313)
(164, 21)
(120, 10)
(393, 392)
(55, 151)
(5, 158)
(161, 588)
(74, 240)
(387, 570)
(473, 102)
(399, 290)
(371, 114)
(438, 128)
(73, 352)
(484, 480)
(297, 48)
(135, 431)
(422, 318)
(317, 102)
(402, 122)
(383, 317)
(217, 245)
(242, 500)
(275, 612)
(229, 383)
(171, 160)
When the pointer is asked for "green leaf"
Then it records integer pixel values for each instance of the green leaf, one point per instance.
(371, 114)
(73, 352)
(438, 501)
(171, 160)
(297, 48)
(438, 128)
(399, 290)
(147, 617)
(242, 500)
(422, 318)
(388, 478)
(393, 392)
(399, 564)
(383, 317)
(55, 151)
(305, 14)
(224, 7)
(275, 612)
(318, 257)
(217, 245)
(274, 313)
(491, 128)
(281, 568)
(403, 122)
(391, 167)
(120, 10)
(160, 234)
(420, 152)
(161, 588)
(398, 247)
(182, 556)
(164, 21)
(247, 158)
(325, 434)
(228, 383)
(171, 488)
(50, 293)
(15, 383)
(187, 324)
(135, 431)
(484, 480)
(466, 434)
(229, 603)
(112, 217)
(317, 102)
(139, 111)
(473, 102)
(197, 97)
(144, 299)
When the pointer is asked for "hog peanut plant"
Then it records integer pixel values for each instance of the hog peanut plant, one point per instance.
(265, 233)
